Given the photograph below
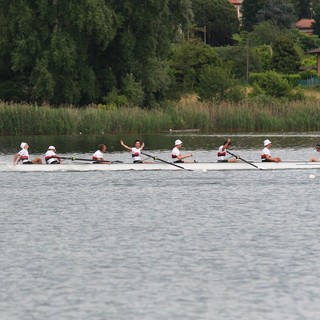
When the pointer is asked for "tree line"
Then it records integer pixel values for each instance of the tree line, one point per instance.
(112, 52)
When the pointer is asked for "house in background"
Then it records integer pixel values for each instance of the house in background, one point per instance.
(305, 26)
(237, 4)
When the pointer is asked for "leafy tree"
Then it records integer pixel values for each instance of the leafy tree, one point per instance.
(302, 8)
(219, 19)
(279, 12)
(133, 90)
(187, 60)
(271, 84)
(48, 44)
(305, 41)
(218, 83)
(267, 33)
(249, 10)
(241, 59)
(316, 25)
(143, 42)
(285, 57)
(79, 51)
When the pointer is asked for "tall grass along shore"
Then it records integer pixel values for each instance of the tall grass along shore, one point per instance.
(18, 119)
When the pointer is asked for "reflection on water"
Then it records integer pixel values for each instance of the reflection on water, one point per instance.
(164, 141)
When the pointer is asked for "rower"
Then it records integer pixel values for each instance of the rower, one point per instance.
(176, 155)
(97, 157)
(315, 159)
(51, 157)
(222, 152)
(23, 156)
(135, 151)
(266, 154)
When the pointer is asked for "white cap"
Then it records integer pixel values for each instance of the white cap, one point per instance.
(22, 145)
(177, 142)
(51, 148)
(266, 142)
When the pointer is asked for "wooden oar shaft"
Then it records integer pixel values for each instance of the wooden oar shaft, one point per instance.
(164, 161)
(251, 164)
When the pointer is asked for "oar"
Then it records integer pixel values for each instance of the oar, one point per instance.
(81, 159)
(156, 158)
(237, 157)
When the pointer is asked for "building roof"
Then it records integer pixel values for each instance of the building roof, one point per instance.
(305, 23)
(314, 51)
(236, 2)
(306, 26)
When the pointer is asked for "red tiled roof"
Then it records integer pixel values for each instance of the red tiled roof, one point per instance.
(305, 23)
(236, 2)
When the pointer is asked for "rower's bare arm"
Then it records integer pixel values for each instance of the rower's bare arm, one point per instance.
(276, 159)
(181, 157)
(16, 158)
(124, 145)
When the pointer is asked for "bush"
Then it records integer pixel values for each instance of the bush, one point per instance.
(271, 84)
(218, 84)
(115, 98)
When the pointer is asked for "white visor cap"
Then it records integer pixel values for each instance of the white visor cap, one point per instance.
(266, 142)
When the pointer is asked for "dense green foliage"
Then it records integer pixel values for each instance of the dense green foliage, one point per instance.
(280, 12)
(302, 8)
(79, 51)
(187, 60)
(285, 57)
(219, 84)
(220, 19)
(249, 10)
(123, 54)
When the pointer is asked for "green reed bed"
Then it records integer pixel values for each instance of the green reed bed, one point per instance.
(129, 120)
(252, 117)
(17, 119)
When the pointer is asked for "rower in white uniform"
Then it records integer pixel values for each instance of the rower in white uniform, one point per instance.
(222, 152)
(135, 151)
(176, 155)
(97, 157)
(266, 154)
(23, 156)
(51, 157)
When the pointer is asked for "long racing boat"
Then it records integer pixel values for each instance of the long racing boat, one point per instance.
(205, 166)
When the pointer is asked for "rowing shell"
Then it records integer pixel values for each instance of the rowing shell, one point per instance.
(205, 166)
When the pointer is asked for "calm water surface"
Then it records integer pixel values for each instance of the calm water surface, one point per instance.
(161, 245)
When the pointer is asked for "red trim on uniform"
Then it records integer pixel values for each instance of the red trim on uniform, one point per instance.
(222, 154)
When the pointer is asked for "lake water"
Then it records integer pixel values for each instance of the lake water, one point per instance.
(162, 245)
